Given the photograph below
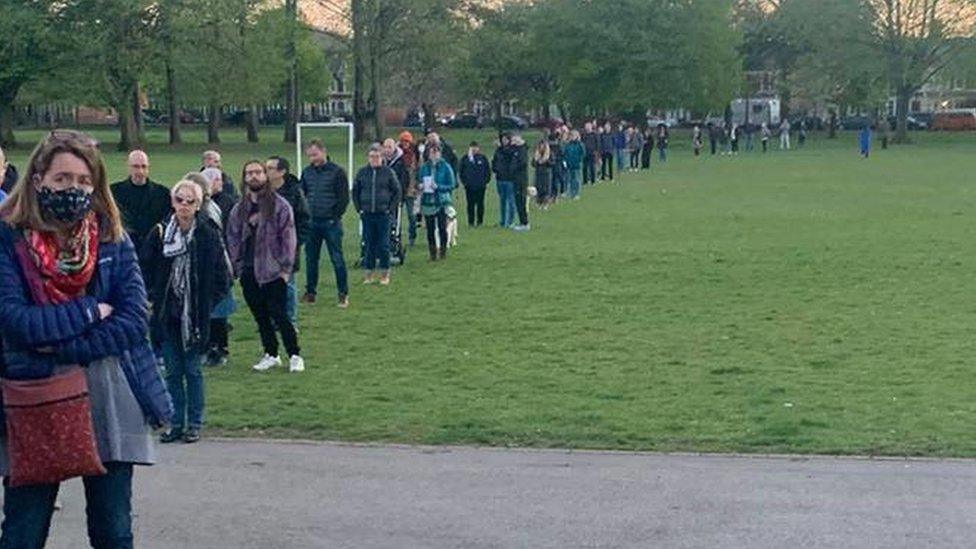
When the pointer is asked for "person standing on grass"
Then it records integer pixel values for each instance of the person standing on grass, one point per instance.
(647, 149)
(142, 202)
(186, 277)
(436, 179)
(801, 136)
(475, 175)
(326, 188)
(734, 139)
(219, 325)
(557, 139)
(606, 152)
(376, 196)
(67, 265)
(573, 154)
(663, 135)
(9, 172)
(713, 137)
(864, 139)
(590, 139)
(447, 152)
(620, 146)
(261, 243)
(765, 134)
(521, 170)
(503, 164)
(635, 143)
(696, 140)
(542, 162)
(410, 162)
(288, 186)
(212, 159)
(784, 135)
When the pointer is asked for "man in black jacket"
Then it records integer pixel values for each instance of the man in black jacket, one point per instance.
(326, 188)
(288, 186)
(9, 173)
(591, 144)
(142, 203)
(376, 195)
(475, 175)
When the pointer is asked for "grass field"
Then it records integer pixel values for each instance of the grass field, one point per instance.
(804, 302)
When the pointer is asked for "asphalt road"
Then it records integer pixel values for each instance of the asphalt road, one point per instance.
(285, 495)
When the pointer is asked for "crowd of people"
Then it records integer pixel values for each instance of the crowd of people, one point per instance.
(72, 248)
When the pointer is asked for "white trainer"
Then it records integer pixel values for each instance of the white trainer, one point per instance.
(267, 363)
(296, 364)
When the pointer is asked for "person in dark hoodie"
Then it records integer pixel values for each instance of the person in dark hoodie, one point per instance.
(520, 169)
(142, 202)
(376, 195)
(606, 152)
(288, 186)
(326, 188)
(502, 164)
(475, 175)
(9, 174)
(647, 149)
(591, 144)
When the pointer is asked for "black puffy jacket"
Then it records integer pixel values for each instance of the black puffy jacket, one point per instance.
(376, 190)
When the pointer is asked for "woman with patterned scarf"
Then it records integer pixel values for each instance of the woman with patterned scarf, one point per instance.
(187, 275)
(72, 307)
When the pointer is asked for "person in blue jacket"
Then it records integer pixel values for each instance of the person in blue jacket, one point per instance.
(436, 178)
(864, 138)
(71, 293)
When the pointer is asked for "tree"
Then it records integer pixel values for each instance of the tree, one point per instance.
(27, 51)
(292, 98)
(917, 39)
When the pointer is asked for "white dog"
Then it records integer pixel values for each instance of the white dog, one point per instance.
(452, 227)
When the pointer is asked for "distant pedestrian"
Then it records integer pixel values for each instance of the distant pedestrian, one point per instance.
(503, 165)
(734, 139)
(620, 146)
(801, 137)
(713, 136)
(606, 152)
(864, 139)
(574, 154)
(663, 136)
(521, 166)
(557, 139)
(410, 162)
(475, 176)
(765, 134)
(635, 142)
(696, 140)
(542, 162)
(590, 139)
(784, 135)
(647, 148)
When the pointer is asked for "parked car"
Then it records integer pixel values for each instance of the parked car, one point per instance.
(185, 117)
(464, 120)
(912, 122)
(511, 122)
(547, 123)
(955, 120)
(234, 118)
(855, 122)
(655, 122)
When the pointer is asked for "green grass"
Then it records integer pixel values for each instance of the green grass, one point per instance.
(807, 302)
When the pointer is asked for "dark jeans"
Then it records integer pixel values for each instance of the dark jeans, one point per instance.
(714, 145)
(589, 168)
(520, 205)
(27, 511)
(635, 159)
(559, 181)
(662, 153)
(330, 231)
(188, 400)
(218, 334)
(436, 228)
(376, 235)
(476, 205)
(267, 304)
(606, 166)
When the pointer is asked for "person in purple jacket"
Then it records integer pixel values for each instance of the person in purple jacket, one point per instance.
(261, 243)
(71, 294)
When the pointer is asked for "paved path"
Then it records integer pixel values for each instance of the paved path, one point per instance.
(280, 495)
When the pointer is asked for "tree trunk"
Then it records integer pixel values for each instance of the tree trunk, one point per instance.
(172, 108)
(7, 96)
(291, 89)
(375, 98)
(497, 108)
(832, 133)
(359, 69)
(213, 123)
(251, 119)
(140, 137)
(127, 128)
(904, 95)
(429, 118)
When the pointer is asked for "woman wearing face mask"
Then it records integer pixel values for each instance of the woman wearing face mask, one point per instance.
(71, 294)
(186, 276)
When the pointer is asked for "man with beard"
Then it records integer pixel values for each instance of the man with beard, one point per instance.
(261, 243)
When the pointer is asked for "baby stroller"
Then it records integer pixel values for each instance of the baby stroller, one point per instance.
(398, 252)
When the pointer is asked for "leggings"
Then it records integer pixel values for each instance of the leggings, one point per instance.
(436, 225)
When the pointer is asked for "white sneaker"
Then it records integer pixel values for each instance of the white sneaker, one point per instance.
(297, 364)
(267, 363)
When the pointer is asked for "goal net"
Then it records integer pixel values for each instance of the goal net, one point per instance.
(338, 138)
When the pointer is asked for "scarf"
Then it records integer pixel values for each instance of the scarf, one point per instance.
(63, 271)
(176, 245)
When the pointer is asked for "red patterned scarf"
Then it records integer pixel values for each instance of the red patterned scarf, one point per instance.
(64, 271)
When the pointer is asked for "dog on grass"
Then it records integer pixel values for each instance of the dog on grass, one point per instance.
(452, 227)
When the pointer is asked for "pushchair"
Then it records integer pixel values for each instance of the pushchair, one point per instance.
(398, 252)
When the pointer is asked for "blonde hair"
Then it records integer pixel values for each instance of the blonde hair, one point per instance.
(22, 209)
(189, 184)
(542, 151)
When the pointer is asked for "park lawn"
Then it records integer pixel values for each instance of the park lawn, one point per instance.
(807, 302)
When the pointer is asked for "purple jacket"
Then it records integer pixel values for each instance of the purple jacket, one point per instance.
(274, 245)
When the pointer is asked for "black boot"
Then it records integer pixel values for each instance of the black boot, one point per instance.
(433, 253)
(444, 252)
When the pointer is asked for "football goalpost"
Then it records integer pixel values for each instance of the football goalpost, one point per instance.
(350, 143)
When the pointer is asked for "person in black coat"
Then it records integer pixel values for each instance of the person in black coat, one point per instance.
(475, 175)
(186, 276)
(9, 174)
(647, 148)
(142, 202)
(288, 186)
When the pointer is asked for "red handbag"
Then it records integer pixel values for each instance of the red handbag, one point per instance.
(50, 436)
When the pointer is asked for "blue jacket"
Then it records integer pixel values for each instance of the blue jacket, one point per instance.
(619, 140)
(444, 184)
(74, 330)
(573, 153)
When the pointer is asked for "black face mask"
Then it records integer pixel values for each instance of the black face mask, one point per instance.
(67, 205)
